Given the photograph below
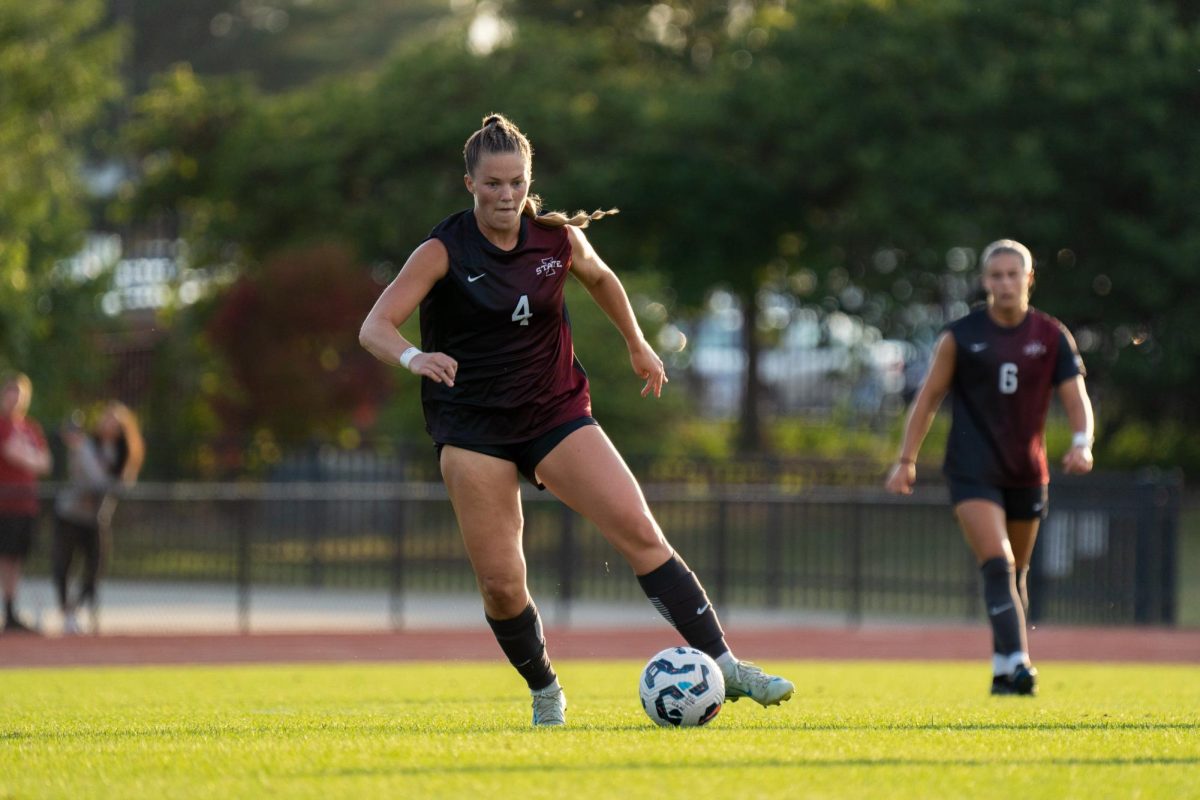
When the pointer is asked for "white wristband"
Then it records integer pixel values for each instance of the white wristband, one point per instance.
(1081, 439)
(408, 355)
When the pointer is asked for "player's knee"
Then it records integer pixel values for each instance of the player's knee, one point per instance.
(998, 565)
(637, 526)
(503, 591)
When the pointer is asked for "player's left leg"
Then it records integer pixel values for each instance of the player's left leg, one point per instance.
(1023, 534)
(587, 473)
(91, 542)
(62, 552)
(1024, 511)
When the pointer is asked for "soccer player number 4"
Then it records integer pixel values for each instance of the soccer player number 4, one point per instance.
(522, 313)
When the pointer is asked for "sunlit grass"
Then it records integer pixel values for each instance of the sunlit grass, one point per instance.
(458, 730)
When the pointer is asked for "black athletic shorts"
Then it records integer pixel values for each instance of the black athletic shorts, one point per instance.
(16, 535)
(1018, 504)
(528, 454)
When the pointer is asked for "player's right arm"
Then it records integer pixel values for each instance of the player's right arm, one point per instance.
(920, 415)
(379, 334)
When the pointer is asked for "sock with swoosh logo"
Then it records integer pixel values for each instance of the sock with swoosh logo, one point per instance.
(677, 594)
(1003, 605)
(522, 641)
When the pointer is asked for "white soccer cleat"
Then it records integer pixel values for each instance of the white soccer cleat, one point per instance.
(743, 679)
(70, 625)
(549, 707)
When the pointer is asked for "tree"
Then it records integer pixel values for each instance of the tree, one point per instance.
(879, 146)
(371, 166)
(57, 71)
(288, 333)
(858, 153)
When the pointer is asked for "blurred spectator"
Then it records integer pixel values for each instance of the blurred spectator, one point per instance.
(24, 458)
(99, 463)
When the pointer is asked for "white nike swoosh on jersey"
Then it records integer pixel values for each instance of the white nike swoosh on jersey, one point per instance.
(703, 608)
(978, 347)
(473, 278)
(993, 610)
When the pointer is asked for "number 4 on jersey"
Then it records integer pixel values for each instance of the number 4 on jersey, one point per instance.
(522, 313)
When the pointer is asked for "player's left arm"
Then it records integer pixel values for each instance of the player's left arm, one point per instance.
(605, 288)
(1068, 376)
(1074, 396)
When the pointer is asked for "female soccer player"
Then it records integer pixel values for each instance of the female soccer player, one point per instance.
(1000, 363)
(504, 395)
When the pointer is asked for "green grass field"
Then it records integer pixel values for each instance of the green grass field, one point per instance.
(855, 729)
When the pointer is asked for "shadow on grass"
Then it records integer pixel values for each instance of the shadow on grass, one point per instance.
(350, 728)
(799, 763)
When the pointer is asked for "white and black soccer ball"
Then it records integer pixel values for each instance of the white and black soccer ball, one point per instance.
(682, 687)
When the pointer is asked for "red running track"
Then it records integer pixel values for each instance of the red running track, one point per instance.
(1143, 645)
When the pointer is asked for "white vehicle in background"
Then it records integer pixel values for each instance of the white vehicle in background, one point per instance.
(821, 363)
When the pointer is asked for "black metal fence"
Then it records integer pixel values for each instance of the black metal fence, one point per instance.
(1106, 555)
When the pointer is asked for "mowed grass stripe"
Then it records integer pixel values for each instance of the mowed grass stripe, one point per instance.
(866, 729)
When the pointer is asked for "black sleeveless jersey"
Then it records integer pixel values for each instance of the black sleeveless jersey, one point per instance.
(500, 314)
(1003, 379)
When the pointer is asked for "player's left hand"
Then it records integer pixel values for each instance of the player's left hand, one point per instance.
(1078, 460)
(648, 366)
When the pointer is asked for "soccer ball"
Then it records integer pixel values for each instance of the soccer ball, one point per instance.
(682, 687)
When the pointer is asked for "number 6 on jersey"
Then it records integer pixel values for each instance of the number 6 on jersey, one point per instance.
(522, 313)
(1008, 377)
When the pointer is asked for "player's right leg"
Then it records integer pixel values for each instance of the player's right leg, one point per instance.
(983, 525)
(487, 502)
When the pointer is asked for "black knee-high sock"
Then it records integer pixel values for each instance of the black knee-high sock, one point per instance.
(677, 594)
(522, 641)
(1023, 588)
(1003, 607)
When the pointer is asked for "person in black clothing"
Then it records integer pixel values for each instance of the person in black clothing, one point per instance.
(99, 464)
(504, 395)
(1000, 364)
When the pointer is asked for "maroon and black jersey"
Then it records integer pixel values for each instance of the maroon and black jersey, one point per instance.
(1002, 383)
(500, 314)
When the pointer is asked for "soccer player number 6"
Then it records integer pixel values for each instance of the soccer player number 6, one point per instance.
(1008, 377)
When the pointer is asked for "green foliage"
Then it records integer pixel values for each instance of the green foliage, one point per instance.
(816, 148)
(283, 44)
(901, 730)
(635, 423)
(288, 335)
(57, 72)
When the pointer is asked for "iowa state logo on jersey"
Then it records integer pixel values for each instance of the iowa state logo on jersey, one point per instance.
(1034, 349)
(549, 267)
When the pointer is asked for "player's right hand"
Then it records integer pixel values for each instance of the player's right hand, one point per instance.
(438, 367)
